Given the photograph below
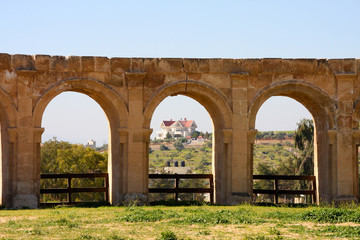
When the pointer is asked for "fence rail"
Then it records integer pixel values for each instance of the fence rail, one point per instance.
(178, 190)
(69, 189)
(276, 192)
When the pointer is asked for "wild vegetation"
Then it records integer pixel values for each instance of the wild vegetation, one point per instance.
(64, 157)
(191, 222)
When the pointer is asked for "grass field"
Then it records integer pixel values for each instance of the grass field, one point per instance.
(194, 222)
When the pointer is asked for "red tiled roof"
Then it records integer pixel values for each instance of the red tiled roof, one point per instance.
(187, 123)
(168, 123)
(184, 123)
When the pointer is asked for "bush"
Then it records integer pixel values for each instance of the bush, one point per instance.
(168, 235)
(163, 147)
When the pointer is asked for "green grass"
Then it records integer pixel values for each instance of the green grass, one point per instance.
(179, 222)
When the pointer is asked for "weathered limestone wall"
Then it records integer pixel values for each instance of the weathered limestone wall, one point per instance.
(130, 89)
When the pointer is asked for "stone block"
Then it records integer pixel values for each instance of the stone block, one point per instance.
(345, 108)
(345, 89)
(42, 62)
(272, 65)
(239, 94)
(301, 66)
(74, 63)
(322, 66)
(282, 77)
(116, 79)
(101, 76)
(137, 65)
(191, 65)
(151, 65)
(216, 65)
(120, 65)
(134, 79)
(5, 61)
(88, 64)
(58, 63)
(345, 122)
(342, 65)
(102, 64)
(22, 62)
(25, 186)
(153, 80)
(170, 65)
(25, 201)
(204, 65)
(261, 81)
(25, 173)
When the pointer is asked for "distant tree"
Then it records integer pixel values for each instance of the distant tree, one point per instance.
(63, 157)
(195, 134)
(188, 156)
(168, 135)
(178, 145)
(206, 135)
(304, 143)
(150, 150)
(163, 147)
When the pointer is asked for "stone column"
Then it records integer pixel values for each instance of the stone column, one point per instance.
(118, 166)
(137, 164)
(347, 189)
(241, 165)
(9, 167)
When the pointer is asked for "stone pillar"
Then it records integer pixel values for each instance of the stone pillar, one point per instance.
(37, 157)
(137, 164)
(332, 136)
(347, 189)
(8, 167)
(222, 165)
(241, 165)
(118, 165)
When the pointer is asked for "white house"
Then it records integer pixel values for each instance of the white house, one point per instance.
(91, 144)
(180, 128)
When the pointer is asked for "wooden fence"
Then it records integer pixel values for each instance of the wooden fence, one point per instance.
(276, 192)
(178, 190)
(69, 189)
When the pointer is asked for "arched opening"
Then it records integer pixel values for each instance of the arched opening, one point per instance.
(321, 107)
(117, 115)
(75, 141)
(217, 107)
(283, 146)
(181, 143)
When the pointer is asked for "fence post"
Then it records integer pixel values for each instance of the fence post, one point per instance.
(106, 183)
(177, 187)
(69, 189)
(276, 188)
(314, 190)
(211, 189)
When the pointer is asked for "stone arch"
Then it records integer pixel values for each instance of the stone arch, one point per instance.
(116, 112)
(323, 110)
(220, 112)
(8, 132)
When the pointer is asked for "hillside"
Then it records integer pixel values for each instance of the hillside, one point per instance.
(270, 151)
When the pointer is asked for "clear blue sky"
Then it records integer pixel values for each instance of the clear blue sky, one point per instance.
(199, 29)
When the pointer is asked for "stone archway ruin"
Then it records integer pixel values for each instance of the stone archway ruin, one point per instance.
(129, 89)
